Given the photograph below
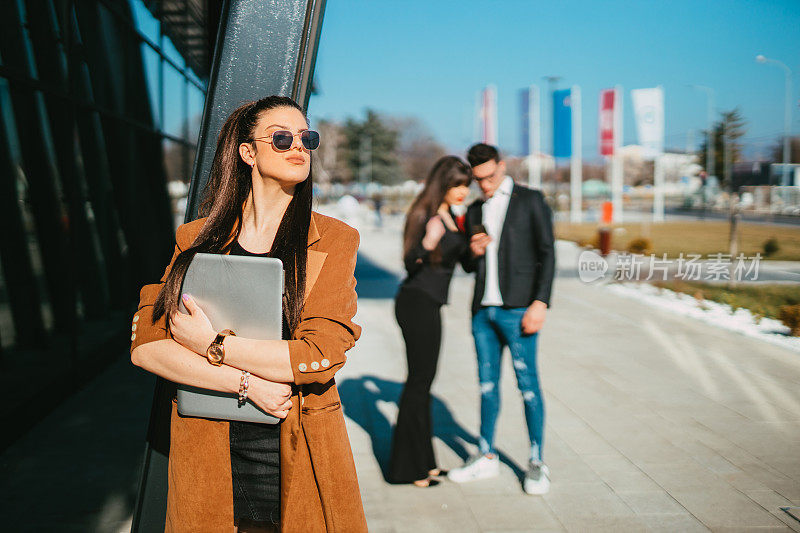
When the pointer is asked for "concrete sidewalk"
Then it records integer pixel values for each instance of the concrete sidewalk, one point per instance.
(654, 422)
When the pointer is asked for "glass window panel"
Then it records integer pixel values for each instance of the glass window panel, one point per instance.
(144, 21)
(178, 167)
(191, 75)
(174, 161)
(35, 255)
(174, 95)
(196, 100)
(151, 60)
(171, 52)
(7, 332)
(191, 153)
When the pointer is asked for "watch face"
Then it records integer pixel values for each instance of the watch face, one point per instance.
(215, 353)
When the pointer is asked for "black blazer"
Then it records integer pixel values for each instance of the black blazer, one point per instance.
(526, 254)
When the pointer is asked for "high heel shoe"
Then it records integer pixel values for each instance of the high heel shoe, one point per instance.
(425, 483)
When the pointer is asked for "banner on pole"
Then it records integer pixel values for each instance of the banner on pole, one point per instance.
(648, 108)
(525, 119)
(489, 115)
(562, 123)
(606, 121)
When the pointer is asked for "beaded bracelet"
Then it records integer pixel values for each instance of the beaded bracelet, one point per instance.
(244, 383)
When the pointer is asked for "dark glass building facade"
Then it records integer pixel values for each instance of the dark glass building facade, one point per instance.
(100, 108)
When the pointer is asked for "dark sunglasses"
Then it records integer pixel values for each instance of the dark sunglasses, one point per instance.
(282, 140)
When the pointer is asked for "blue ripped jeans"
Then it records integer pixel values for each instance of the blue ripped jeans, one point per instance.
(493, 328)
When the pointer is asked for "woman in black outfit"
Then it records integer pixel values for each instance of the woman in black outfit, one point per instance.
(255, 457)
(433, 242)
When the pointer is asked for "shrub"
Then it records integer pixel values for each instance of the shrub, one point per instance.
(771, 246)
(790, 316)
(640, 245)
(593, 243)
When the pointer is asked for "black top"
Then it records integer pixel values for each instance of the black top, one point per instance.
(433, 278)
(255, 459)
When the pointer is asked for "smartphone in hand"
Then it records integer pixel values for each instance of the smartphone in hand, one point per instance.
(479, 228)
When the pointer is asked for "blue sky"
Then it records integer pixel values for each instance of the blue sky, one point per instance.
(431, 58)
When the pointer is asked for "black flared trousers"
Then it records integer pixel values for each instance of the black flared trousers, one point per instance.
(412, 447)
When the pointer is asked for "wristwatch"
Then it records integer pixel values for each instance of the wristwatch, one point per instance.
(216, 351)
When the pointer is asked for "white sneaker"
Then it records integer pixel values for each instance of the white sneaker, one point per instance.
(477, 467)
(537, 478)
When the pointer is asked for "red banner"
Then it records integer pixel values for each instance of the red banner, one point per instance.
(606, 122)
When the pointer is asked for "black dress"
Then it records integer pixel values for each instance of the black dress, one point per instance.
(417, 308)
(255, 461)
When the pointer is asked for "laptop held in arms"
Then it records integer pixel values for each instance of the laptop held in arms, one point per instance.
(241, 293)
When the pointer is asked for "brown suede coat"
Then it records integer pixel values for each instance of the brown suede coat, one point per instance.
(319, 489)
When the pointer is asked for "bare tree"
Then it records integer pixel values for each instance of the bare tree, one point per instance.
(417, 148)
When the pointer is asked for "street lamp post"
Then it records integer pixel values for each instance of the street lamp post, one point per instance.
(787, 112)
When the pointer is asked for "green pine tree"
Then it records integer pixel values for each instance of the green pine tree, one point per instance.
(731, 126)
(370, 149)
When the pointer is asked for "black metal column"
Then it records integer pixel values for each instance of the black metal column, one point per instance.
(263, 47)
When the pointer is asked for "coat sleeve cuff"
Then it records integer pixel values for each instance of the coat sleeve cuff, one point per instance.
(315, 359)
(143, 329)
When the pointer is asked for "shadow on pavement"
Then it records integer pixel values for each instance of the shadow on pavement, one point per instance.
(374, 281)
(361, 398)
(79, 468)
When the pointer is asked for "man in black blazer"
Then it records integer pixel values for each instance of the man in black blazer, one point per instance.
(513, 257)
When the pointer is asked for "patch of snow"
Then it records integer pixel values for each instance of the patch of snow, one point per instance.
(717, 314)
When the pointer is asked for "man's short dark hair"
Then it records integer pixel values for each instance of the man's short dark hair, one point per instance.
(481, 153)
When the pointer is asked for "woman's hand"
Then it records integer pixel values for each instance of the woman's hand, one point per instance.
(274, 398)
(434, 231)
(192, 330)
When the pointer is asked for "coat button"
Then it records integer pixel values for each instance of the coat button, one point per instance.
(133, 337)
(326, 363)
(314, 366)
(302, 367)
(133, 327)
(135, 318)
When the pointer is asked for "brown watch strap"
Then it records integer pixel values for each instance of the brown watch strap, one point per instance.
(221, 336)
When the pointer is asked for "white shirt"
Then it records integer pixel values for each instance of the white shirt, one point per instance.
(493, 216)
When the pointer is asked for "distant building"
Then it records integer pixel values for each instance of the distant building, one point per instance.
(678, 167)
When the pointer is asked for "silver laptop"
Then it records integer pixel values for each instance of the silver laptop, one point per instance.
(243, 294)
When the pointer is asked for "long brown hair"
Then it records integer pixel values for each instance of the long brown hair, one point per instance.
(449, 171)
(224, 196)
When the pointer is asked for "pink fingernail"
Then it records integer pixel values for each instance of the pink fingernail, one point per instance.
(185, 297)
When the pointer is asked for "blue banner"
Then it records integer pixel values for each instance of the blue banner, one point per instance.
(562, 123)
(524, 114)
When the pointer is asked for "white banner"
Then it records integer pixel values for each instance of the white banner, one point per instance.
(648, 108)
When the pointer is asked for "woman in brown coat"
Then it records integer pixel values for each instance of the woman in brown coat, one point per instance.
(258, 202)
